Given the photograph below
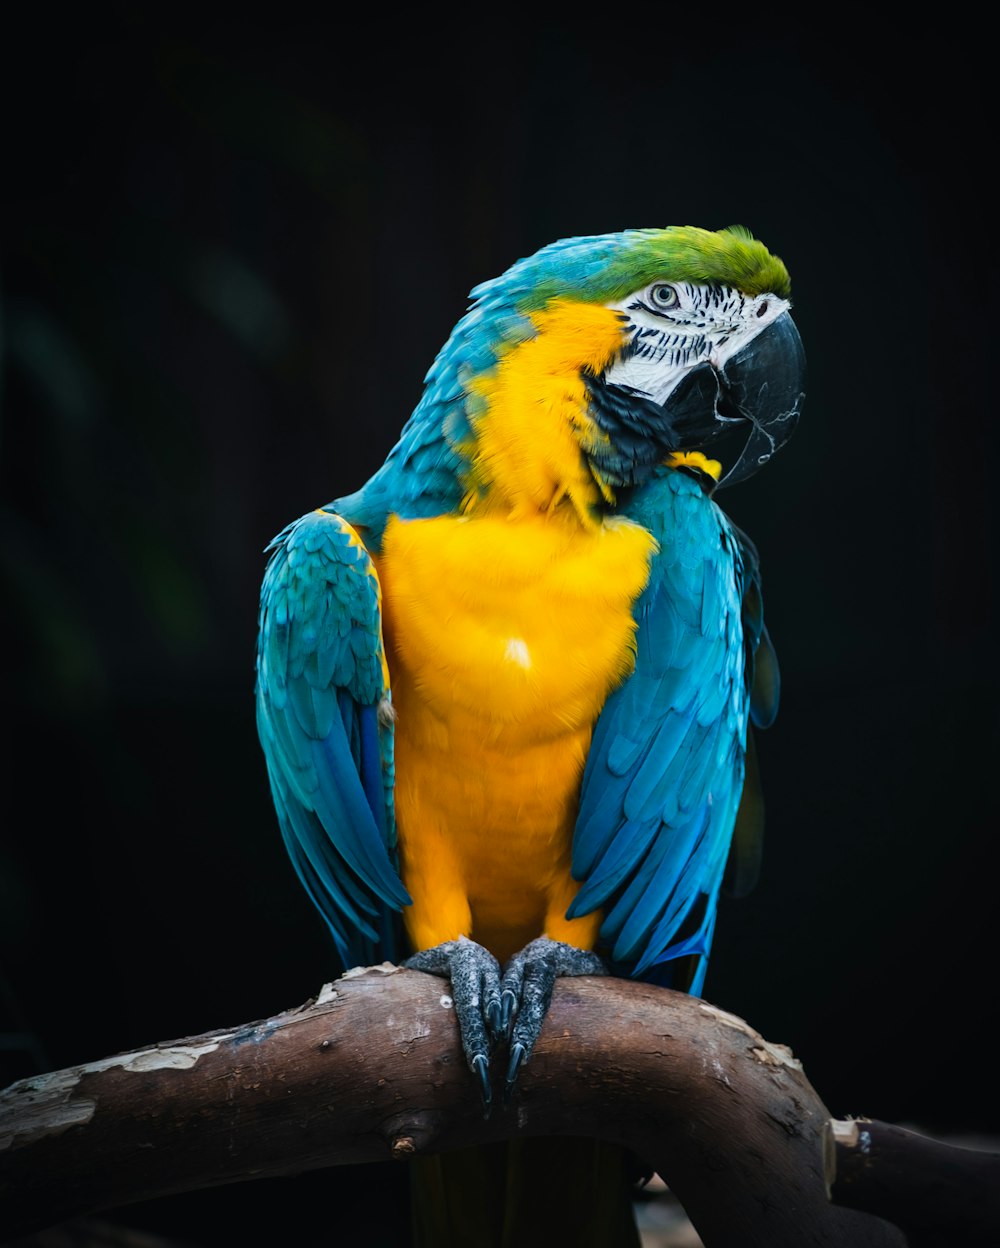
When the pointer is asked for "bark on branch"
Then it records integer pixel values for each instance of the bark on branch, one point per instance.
(372, 1069)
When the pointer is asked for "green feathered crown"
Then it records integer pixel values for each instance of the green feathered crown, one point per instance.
(606, 267)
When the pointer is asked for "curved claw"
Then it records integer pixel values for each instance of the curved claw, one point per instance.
(508, 1005)
(481, 1066)
(518, 1053)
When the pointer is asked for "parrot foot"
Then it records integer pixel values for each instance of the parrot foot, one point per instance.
(475, 988)
(511, 1008)
(526, 992)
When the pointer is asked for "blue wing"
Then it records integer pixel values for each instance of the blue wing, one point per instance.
(665, 771)
(324, 721)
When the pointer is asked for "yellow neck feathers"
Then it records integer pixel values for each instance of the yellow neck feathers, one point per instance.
(695, 459)
(532, 416)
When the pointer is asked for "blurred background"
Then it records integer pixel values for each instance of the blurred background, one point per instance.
(228, 258)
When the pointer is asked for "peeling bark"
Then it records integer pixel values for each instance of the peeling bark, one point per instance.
(372, 1069)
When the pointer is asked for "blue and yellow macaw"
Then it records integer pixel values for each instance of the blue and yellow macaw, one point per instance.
(504, 689)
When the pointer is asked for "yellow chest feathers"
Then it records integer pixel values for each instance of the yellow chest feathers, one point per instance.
(522, 626)
(504, 637)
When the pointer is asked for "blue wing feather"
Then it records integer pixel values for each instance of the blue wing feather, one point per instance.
(665, 769)
(320, 684)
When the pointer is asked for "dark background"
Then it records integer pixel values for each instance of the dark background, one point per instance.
(227, 261)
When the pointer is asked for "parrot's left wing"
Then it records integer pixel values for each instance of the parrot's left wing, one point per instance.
(665, 770)
(325, 724)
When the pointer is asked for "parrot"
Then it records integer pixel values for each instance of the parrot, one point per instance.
(506, 690)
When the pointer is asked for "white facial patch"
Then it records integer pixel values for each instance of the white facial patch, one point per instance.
(675, 326)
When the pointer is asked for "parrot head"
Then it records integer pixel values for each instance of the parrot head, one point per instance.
(711, 343)
(672, 338)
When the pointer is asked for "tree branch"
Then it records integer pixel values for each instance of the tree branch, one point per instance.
(938, 1193)
(372, 1069)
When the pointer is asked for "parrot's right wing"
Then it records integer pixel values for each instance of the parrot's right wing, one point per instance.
(325, 724)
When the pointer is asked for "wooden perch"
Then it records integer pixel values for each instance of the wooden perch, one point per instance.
(372, 1069)
(939, 1194)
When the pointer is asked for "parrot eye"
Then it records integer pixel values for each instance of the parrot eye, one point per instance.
(762, 307)
(663, 296)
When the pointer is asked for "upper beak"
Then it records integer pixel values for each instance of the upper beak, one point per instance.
(765, 384)
(762, 386)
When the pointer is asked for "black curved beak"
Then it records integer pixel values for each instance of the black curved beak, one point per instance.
(762, 386)
(765, 385)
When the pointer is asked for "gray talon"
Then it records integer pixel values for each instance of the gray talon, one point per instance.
(475, 988)
(481, 1066)
(526, 990)
(517, 1056)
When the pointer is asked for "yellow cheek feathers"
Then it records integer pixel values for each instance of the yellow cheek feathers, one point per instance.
(530, 416)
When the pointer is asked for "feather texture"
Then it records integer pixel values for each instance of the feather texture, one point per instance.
(665, 768)
(321, 677)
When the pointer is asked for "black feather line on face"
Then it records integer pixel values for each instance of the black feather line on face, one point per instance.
(641, 433)
(638, 432)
